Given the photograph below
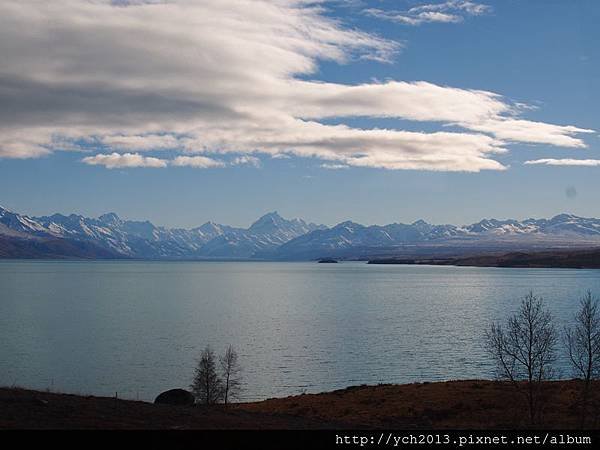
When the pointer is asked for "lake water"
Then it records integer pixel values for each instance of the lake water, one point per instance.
(137, 328)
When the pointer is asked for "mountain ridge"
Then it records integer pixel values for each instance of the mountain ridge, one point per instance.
(142, 239)
(273, 237)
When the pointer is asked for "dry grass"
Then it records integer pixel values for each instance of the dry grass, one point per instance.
(448, 405)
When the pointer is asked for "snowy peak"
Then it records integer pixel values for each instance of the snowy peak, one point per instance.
(421, 224)
(276, 226)
(270, 222)
(495, 226)
(110, 219)
(209, 230)
(565, 217)
(348, 225)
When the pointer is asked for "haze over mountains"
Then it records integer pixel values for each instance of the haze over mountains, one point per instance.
(273, 237)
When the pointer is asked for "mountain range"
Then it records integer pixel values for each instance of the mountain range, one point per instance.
(274, 238)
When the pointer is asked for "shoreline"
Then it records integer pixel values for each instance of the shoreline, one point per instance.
(491, 263)
(464, 404)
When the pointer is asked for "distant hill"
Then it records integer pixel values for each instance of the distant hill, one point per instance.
(272, 237)
(52, 248)
(568, 259)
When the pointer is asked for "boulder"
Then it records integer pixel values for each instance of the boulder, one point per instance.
(179, 397)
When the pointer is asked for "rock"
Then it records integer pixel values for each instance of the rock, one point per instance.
(179, 397)
(327, 261)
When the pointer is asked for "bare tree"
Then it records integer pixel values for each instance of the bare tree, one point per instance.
(231, 373)
(583, 345)
(207, 386)
(524, 350)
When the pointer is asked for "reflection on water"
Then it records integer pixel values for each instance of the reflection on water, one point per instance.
(136, 328)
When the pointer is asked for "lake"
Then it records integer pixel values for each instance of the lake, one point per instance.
(137, 328)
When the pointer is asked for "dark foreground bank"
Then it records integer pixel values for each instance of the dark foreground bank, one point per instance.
(444, 405)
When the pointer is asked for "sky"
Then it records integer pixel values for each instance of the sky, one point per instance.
(377, 111)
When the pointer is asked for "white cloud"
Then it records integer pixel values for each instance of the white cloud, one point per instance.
(125, 160)
(246, 161)
(517, 130)
(452, 11)
(223, 76)
(380, 148)
(420, 101)
(407, 18)
(468, 7)
(330, 166)
(566, 162)
(197, 162)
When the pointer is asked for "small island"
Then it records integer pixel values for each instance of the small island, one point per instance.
(327, 261)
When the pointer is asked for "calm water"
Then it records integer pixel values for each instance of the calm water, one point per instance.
(137, 328)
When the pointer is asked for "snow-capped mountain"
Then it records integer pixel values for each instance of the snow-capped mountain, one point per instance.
(352, 239)
(272, 236)
(569, 224)
(267, 233)
(142, 239)
(16, 223)
(350, 234)
(562, 224)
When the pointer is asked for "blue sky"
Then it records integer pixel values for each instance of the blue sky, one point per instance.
(183, 166)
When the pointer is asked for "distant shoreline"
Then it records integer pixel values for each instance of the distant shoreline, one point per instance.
(577, 259)
(515, 260)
